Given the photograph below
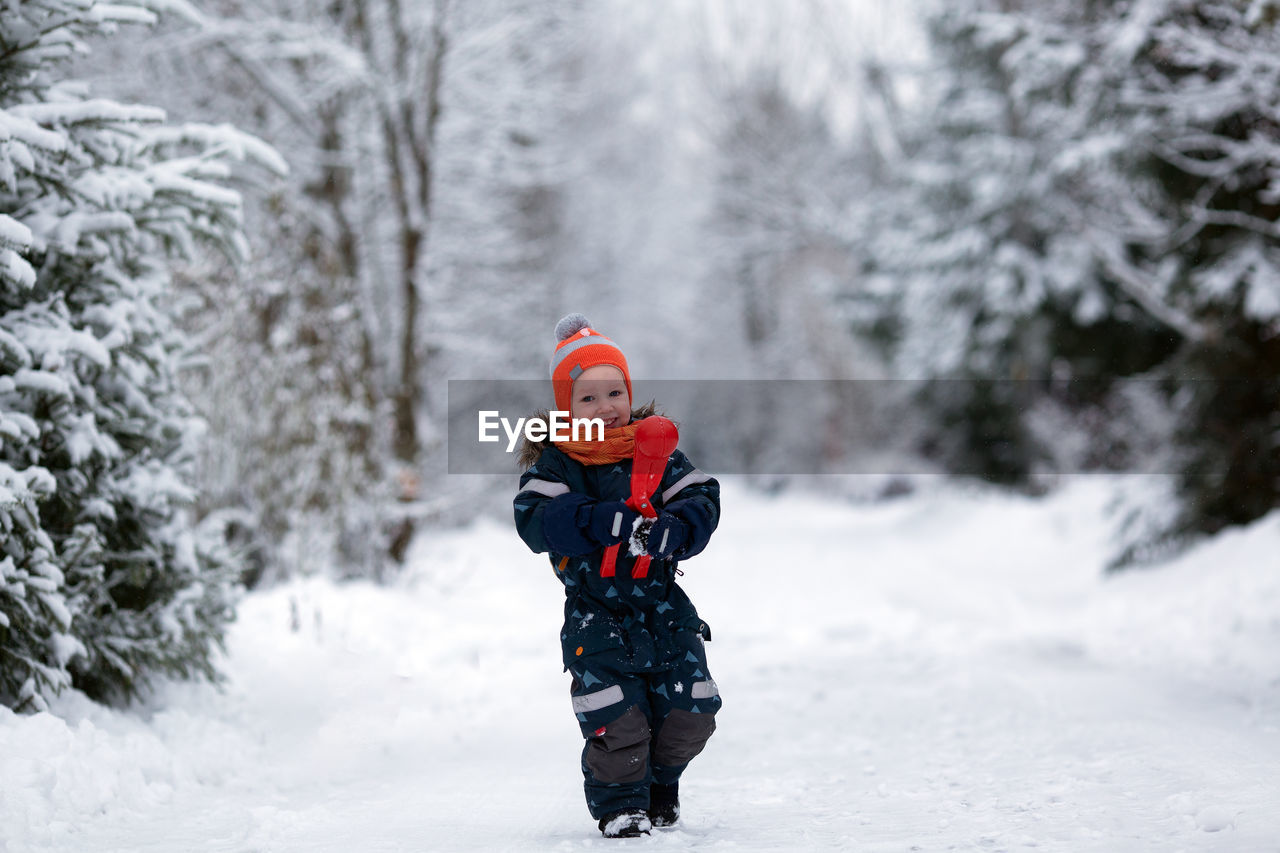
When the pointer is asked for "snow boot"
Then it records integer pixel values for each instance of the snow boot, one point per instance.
(625, 823)
(664, 804)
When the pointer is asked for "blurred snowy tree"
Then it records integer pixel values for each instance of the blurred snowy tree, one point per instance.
(304, 385)
(104, 580)
(786, 253)
(511, 150)
(1204, 96)
(802, 141)
(1092, 194)
(416, 236)
(981, 226)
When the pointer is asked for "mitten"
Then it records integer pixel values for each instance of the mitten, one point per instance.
(699, 523)
(667, 535)
(562, 527)
(608, 522)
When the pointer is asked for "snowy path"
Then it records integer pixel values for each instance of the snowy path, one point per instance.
(945, 672)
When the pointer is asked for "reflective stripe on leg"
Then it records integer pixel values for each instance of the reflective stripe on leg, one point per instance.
(704, 689)
(595, 701)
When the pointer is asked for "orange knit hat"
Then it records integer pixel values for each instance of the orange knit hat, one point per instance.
(581, 347)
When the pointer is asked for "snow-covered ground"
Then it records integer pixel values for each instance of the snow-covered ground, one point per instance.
(946, 672)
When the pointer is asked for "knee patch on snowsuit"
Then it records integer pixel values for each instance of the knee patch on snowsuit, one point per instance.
(682, 736)
(621, 752)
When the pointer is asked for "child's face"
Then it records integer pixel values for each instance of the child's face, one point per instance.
(600, 392)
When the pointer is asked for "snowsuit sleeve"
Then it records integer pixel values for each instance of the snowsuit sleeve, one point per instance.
(548, 513)
(694, 497)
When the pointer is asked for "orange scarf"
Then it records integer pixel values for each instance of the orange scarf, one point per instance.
(618, 444)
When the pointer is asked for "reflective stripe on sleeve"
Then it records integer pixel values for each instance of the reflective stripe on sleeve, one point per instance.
(691, 479)
(546, 487)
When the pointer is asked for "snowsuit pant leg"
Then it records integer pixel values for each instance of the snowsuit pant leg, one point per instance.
(641, 727)
(683, 704)
(612, 708)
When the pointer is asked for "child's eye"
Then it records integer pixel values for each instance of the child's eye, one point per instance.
(615, 393)
(587, 398)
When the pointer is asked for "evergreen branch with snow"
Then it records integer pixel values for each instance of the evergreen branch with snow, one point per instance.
(106, 584)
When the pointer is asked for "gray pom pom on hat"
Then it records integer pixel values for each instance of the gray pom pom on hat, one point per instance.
(570, 325)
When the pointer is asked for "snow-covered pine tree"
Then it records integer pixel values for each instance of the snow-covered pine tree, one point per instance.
(297, 344)
(1203, 105)
(105, 583)
(1093, 195)
(981, 226)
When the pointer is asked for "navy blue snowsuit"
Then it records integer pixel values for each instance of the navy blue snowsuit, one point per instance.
(641, 690)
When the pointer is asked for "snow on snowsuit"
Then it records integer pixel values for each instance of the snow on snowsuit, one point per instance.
(641, 690)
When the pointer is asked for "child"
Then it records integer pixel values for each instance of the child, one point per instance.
(641, 690)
